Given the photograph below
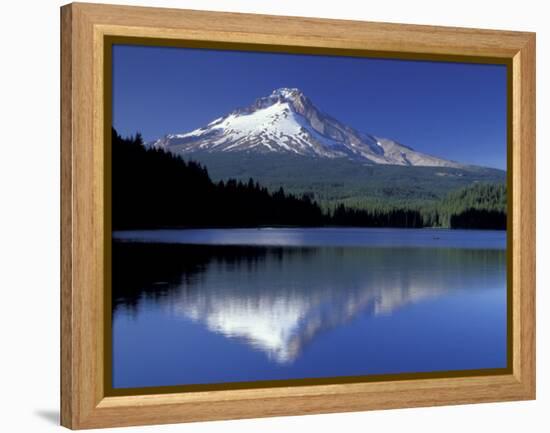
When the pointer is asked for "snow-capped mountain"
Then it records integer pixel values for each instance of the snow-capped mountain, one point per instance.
(286, 121)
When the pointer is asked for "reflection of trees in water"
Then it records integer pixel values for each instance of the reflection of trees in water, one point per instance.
(158, 271)
(277, 299)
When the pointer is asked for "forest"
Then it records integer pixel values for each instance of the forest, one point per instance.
(152, 188)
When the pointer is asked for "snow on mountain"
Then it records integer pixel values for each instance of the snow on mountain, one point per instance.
(286, 121)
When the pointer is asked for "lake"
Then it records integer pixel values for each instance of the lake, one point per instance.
(231, 305)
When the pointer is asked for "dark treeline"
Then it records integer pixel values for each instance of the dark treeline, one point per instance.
(479, 219)
(479, 206)
(153, 188)
(405, 218)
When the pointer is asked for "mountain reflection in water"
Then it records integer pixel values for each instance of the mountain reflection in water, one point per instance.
(276, 300)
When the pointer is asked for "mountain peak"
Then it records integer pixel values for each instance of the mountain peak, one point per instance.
(286, 121)
(287, 92)
(292, 96)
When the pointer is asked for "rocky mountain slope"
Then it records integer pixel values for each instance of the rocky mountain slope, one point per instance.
(287, 122)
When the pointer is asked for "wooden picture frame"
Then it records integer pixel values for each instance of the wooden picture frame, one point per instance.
(85, 28)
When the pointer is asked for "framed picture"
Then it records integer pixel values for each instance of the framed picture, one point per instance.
(270, 216)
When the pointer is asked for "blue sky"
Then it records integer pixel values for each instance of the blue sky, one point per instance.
(452, 110)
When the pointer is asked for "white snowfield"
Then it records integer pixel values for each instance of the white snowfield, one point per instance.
(287, 122)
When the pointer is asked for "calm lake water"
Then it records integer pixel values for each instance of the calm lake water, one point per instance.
(233, 305)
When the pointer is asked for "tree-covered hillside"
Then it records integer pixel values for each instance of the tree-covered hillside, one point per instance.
(331, 182)
(478, 206)
(152, 188)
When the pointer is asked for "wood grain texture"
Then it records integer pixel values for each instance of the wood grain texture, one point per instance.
(67, 385)
(84, 28)
(523, 175)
